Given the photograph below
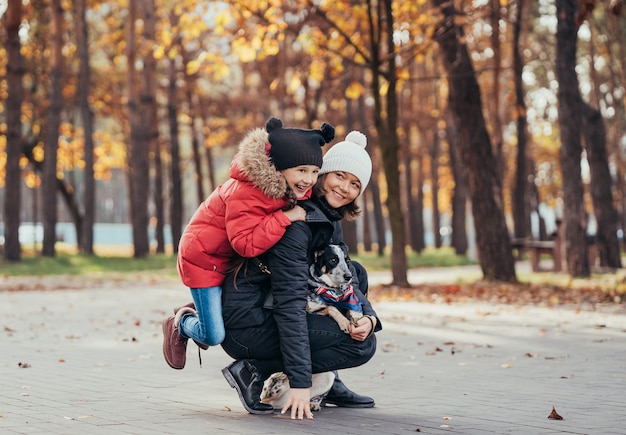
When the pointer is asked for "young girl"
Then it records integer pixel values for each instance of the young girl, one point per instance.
(246, 215)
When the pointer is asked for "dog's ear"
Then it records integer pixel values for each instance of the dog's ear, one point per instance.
(346, 253)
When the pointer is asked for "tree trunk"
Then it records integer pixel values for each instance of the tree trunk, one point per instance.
(176, 196)
(195, 127)
(496, 122)
(150, 132)
(459, 195)
(434, 188)
(138, 164)
(15, 95)
(386, 122)
(521, 225)
(494, 247)
(418, 228)
(569, 101)
(606, 241)
(159, 199)
(85, 240)
(376, 220)
(49, 180)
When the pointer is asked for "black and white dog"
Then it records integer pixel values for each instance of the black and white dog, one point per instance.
(276, 388)
(330, 288)
(331, 294)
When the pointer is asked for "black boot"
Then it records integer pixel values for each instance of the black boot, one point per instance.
(342, 396)
(244, 377)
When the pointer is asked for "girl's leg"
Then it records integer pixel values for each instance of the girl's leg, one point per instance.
(208, 326)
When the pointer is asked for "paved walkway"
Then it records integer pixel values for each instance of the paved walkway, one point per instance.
(89, 362)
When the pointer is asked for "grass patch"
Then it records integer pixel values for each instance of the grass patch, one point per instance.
(69, 264)
(430, 257)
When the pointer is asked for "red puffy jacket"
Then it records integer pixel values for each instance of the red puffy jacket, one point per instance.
(244, 216)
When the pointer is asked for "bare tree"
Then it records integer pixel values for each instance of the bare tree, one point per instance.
(149, 130)
(52, 130)
(386, 121)
(494, 247)
(138, 166)
(176, 195)
(15, 94)
(574, 217)
(521, 215)
(85, 239)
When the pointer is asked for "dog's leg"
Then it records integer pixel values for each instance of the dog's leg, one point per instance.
(354, 316)
(336, 315)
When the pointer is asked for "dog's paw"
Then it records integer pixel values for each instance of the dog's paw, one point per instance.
(344, 325)
(316, 402)
(355, 316)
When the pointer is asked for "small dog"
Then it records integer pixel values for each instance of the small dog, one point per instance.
(276, 388)
(330, 288)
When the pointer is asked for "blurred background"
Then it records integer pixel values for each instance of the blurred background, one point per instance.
(492, 124)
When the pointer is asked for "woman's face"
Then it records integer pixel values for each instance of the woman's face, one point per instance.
(341, 188)
(301, 178)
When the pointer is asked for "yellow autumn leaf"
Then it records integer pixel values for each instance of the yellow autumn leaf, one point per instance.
(294, 84)
(222, 19)
(221, 71)
(159, 52)
(193, 67)
(354, 91)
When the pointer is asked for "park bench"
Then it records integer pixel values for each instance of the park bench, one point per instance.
(537, 248)
(552, 248)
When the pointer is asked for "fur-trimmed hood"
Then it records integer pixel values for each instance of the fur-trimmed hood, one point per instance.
(252, 164)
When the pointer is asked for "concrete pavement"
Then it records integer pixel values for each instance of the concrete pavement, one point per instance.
(88, 361)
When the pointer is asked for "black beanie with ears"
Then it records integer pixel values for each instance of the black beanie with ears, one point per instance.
(291, 147)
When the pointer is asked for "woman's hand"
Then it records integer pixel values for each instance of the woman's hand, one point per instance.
(363, 329)
(300, 404)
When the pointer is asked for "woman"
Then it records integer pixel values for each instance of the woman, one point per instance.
(283, 336)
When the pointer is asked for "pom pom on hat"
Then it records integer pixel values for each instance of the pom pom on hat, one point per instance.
(350, 156)
(291, 147)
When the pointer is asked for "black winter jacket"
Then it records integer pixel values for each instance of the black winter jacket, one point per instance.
(244, 301)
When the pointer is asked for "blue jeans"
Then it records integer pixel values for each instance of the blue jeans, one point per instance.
(208, 327)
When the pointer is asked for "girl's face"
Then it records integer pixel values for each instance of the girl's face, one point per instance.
(301, 178)
(341, 188)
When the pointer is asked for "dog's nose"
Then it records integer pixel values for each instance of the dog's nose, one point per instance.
(348, 277)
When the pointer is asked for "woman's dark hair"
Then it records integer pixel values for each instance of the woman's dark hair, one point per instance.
(349, 211)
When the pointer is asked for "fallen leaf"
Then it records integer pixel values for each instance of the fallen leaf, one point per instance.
(531, 355)
(554, 415)
(23, 365)
(505, 366)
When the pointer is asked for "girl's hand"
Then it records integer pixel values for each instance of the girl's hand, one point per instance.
(300, 403)
(363, 329)
(296, 214)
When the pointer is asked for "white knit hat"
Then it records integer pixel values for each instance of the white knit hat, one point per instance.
(350, 156)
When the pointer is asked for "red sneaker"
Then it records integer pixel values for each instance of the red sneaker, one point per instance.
(174, 345)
